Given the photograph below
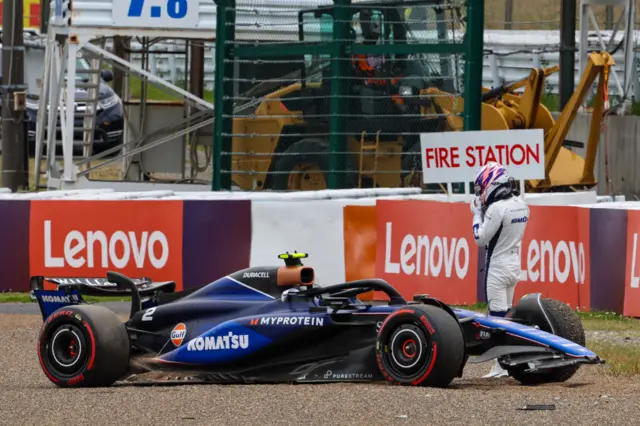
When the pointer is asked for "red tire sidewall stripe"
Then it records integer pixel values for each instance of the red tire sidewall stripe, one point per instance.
(93, 345)
(434, 345)
(378, 357)
(92, 339)
(426, 374)
(80, 377)
(398, 312)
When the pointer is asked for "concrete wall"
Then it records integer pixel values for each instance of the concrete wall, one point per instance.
(618, 152)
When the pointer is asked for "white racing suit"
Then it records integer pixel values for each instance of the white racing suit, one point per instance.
(501, 231)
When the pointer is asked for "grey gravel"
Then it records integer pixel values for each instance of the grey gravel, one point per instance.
(27, 397)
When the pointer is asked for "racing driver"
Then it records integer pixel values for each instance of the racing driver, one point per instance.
(500, 217)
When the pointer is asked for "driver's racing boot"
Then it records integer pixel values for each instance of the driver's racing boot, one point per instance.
(496, 371)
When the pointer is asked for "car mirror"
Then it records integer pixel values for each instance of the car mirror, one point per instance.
(107, 75)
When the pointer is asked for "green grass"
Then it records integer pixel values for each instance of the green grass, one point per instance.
(15, 297)
(551, 101)
(619, 359)
(608, 321)
(158, 94)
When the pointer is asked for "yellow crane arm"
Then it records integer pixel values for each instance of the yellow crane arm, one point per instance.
(598, 64)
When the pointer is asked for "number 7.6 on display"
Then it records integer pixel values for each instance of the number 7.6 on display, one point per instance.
(156, 13)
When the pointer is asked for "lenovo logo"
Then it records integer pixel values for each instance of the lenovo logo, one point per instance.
(548, 262)
(89, 238)
(425, 247)
(425, 255)
(115, 250)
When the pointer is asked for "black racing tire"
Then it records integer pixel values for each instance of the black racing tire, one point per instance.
(567, 325)
(84, 346)
(420, 345)
(308, 151)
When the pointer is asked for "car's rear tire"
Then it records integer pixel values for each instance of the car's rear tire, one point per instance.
(84, 346)
(567, 325)
(420, 345)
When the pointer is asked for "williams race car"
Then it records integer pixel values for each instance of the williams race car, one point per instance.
(273, 325)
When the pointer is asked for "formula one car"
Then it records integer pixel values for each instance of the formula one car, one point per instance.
(273, 325)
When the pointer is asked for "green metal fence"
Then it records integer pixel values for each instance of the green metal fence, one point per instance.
(313, 95)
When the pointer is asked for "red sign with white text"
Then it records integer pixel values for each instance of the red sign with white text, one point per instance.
(427, 247)
(87, 239)
(555, 255)
(632, 282)
(456, 156)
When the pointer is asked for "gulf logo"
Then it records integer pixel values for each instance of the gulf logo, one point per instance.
(178, 333)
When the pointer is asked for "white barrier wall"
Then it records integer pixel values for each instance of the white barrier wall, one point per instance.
(306, 221)
(316, 227)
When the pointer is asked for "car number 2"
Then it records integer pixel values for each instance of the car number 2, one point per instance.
(148, 314)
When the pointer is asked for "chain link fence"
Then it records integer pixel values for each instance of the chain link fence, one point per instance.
(334, 95)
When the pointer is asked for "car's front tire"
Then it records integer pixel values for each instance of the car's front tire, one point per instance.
(420, 345)
(84, 346)
(566, 324)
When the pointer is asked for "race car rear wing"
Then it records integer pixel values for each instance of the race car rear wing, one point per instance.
(69, 291)
(103, 286)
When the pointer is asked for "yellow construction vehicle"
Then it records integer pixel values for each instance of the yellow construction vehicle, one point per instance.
(504, 109)
(284, 143)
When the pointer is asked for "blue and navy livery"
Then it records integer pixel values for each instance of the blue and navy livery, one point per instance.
(52, 300)
(273, 324)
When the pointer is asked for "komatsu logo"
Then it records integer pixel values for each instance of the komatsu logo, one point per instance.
(314, 321)
(214, 343)
(59, 299)
(255, 275)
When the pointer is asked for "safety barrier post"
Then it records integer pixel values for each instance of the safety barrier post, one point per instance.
(223, 84)
(339, 108)
(474, 54)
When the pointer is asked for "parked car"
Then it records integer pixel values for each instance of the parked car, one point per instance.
(109, 119)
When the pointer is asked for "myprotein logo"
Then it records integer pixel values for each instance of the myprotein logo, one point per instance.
(215, 343)
(554, 262)
(301, 320)
(426, 255)
(115, 250)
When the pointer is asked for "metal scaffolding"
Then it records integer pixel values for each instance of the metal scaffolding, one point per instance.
(81, 28)
(625, 25)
